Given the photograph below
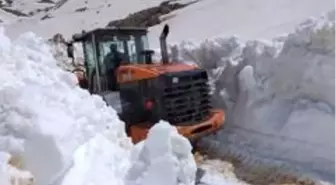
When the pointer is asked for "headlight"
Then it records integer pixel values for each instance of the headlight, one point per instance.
(175, 80)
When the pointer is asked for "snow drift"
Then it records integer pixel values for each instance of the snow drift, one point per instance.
(279, 94)
(54, 128)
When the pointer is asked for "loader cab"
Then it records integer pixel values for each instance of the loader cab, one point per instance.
(131, 45)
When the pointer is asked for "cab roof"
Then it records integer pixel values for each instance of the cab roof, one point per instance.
(101, 32)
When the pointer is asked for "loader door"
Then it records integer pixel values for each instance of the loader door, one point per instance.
(109, 65)
(96, 47)
(129, 47)
(90, 66)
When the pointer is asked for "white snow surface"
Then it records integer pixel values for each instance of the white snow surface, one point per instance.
(58, 129)
(279, 95)
(248, 19)
(65, 20)
(219, 173)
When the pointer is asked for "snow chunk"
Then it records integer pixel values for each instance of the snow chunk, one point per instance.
(163, 158)
(11, 174)
(219, 173)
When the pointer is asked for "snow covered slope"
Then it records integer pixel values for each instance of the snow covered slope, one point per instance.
(279, 95)
(207, 18)
(67, 19)
(256, 19)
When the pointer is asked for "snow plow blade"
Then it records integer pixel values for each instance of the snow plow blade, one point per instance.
(192, 132)
(207, 127)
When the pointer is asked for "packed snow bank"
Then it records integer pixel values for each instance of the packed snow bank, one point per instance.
(44, 115)
(163, 158)
(279, 95)
(46, 118)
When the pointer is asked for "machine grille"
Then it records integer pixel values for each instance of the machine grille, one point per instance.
(186, 98)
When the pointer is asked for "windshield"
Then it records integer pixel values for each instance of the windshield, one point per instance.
(144, 40)
(129, 47)
(107, 53)
(104, 49)
(89, 56)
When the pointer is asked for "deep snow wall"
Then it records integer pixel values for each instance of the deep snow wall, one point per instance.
(278, 95)
(44, 115)
(53, 132)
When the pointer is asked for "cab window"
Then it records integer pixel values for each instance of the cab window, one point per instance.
(132, 53)
(104, 50)
(89, 58)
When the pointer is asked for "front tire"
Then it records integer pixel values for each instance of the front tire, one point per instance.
(194, 146)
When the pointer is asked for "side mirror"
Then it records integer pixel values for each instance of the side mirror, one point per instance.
(148, 56)
(70, 50)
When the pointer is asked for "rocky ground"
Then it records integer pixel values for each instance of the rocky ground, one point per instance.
(151, 16)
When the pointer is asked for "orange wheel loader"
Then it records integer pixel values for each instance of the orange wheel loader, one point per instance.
(119, 67)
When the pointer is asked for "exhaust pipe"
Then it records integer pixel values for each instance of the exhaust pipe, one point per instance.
(163, 44)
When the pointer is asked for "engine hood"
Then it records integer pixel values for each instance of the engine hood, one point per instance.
(128, 73)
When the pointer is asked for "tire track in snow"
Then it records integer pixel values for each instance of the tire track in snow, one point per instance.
(236, 167)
